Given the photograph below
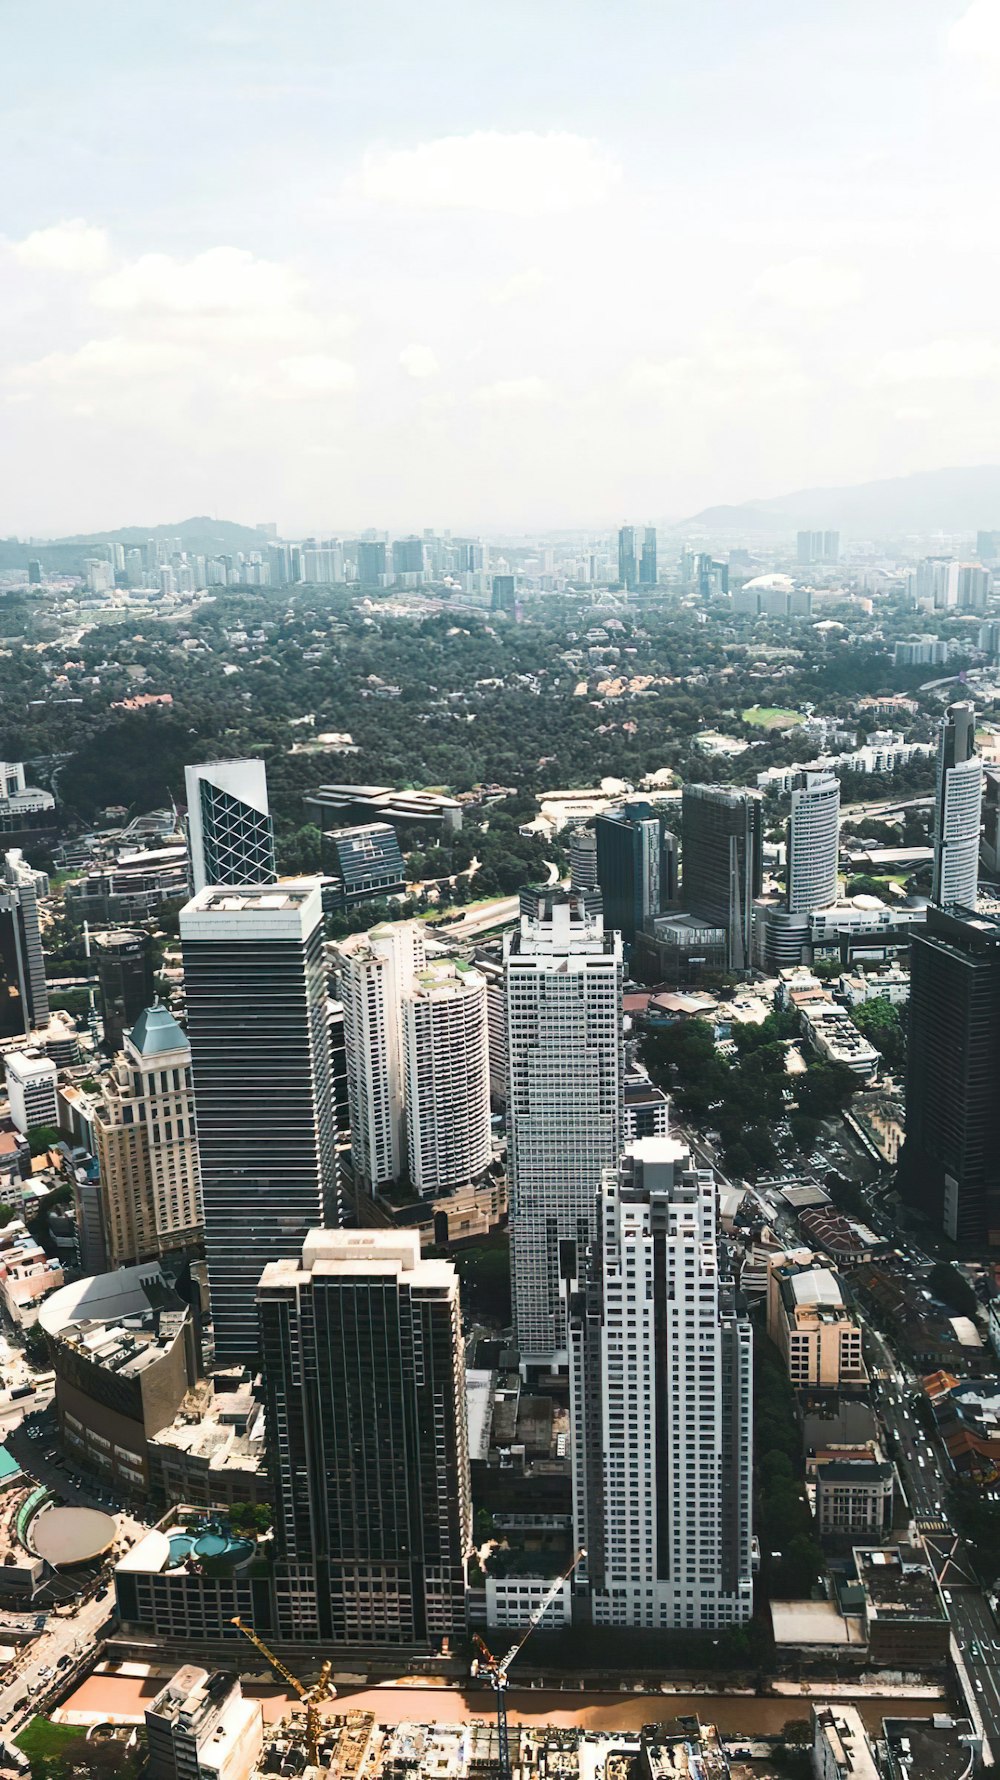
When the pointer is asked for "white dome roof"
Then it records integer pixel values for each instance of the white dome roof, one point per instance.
(772, 583)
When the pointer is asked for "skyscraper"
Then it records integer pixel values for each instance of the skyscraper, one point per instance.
(661, 1370)
(722, 861)
(950, 1161)
(446, 1077)
(375, 973)
(371, 562)
(24, 1005)
(123, 956)
(813, 843)
(647, 561)
(563, 983)
(147, 1147)
(257, 1024)
(230, 839)
(636, 866)
(582, 859)
(628, 569)
(364, 1377)
(957, 810)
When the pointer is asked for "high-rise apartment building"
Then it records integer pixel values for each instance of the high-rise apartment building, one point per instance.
(371, 560)
(813, 843)
(636, 867)
(950, 1162)
(124, 959)
(957, 810)
(647, 561)
(628, 563)
(446, 1068)
(147, 1146)
(661, 1400)
(230, 838)
(408, 558)
(199, 1727)
(815, 547)
(722, 838)
(25, 1003)
(563, 982)
(375, 973)
(364, 1376)
(260, 1049)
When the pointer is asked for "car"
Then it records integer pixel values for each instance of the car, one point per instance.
(978, 1685)
(947, 1596)
(100, 1593)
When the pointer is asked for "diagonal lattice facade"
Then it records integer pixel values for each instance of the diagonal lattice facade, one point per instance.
(237, 840)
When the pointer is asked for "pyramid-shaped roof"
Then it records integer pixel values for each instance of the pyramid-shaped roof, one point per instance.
(156, 1030)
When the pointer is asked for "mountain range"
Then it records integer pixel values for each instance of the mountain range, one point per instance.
(951, 500)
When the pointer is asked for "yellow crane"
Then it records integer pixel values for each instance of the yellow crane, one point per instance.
(496, 1668)
(311, 1697)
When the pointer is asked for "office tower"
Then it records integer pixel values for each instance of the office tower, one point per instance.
(503, 597)
(34, 573)
(260, 1051)
(957, 810)
(987, 546)
(563, 983)
(147, 1146)
(722, 861)
(813, 843)
(636, 867)
(371, 562)
(31, 1090)
(628, 571)
(582, 859)
(124, 960)
(408, 556)
(446, 1069)
(375, 972)
(661, 1394)
(950, 1162)
(366, 864)
(364, 1379)
(989, 852)
(647, 561)
(24, 1002)
(229, 834)
(818, 547)
(199, 1727)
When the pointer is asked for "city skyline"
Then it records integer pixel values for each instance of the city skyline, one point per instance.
(304, 317)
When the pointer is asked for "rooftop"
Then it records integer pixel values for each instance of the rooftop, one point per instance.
(156, 1031)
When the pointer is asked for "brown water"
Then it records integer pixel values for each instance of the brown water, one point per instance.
(735, 1715)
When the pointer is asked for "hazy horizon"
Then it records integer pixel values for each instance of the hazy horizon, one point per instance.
(492, 270)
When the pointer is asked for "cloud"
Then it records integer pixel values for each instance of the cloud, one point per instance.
(521, 284)
(316, 374)
(510, 392)
(809, 283)
(419, 361)
(976, 33)
(939, 361)
(73, 246)
(220, 281)
(98, 361)
(523, 173)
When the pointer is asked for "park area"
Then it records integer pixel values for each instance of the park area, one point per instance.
(771, 717)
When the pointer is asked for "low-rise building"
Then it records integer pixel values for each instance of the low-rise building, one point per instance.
(809, 1322)
(854, 1498)
(832, 1034)
(31, 1089)
(166, 1588)
(200, 1727)
(906, 1623)
(841, 1750)
(212, 1453)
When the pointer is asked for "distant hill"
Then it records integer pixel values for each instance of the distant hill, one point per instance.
(951, 500)
(201, 536)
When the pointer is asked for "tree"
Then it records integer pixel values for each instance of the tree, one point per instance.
(882, 1024)
(44, 1137)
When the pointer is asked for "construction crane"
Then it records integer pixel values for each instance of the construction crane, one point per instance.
(497, 1669)
(311, 1697)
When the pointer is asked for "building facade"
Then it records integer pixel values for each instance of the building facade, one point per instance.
(26, 1001)
(147, 1145)
(812, 1327)
(636, 867)
(957, 811)
(446, 1070)
(229, 834)
(260, 1051)
(563, 983)
(661, 1389)
(813, 843)
(124, 960)
(364, 1374)
(722, 861)
(375, 974)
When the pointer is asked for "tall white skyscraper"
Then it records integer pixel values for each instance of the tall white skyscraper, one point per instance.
(375, 974)
(957, 810)
(447, 1077)
(229, 834)
(813, 843)
(260, 1051)
(661, 1377)
(563, 983)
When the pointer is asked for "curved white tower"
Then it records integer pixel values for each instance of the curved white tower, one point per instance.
(958, 810)
(813, 843)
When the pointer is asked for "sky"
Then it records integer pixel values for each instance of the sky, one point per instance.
(489, 264)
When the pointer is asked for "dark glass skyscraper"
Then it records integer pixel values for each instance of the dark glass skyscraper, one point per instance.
(24, 998)
(364, 1375)
(260, 1052)
(123, 956)
(950, 1162)
(722, 837)
(636, 867)
(647, 561)
(628, 566)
